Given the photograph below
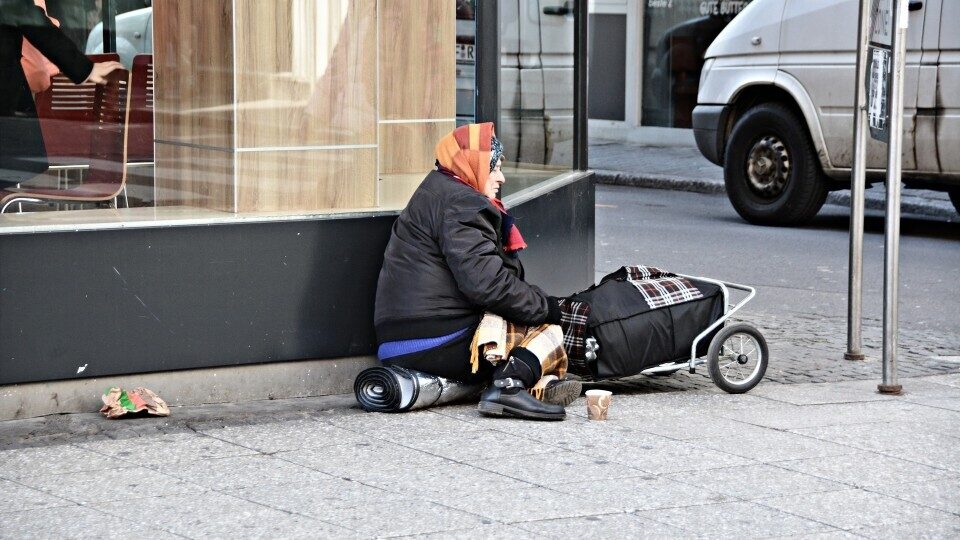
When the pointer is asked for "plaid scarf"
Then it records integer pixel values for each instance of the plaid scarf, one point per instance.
(660, 288)
(496, 337)
(573, 320)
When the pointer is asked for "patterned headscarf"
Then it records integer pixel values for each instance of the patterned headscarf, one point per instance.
(468, 154)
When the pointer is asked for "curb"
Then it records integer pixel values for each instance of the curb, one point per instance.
(696, 185)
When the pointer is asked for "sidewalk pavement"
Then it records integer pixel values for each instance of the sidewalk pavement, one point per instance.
(829, 460)
(684, 168)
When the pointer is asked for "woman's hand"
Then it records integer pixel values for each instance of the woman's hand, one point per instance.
(100, 71)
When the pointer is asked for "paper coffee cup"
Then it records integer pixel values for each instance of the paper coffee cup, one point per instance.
(598, 404)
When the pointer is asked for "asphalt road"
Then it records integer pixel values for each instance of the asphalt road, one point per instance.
(796, 270)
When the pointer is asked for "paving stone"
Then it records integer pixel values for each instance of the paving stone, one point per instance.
(485, 531)
(882, 436)
(793, 417)
(442, 482)
(88, 486)
(773, 445)
(668, 456)
(949, 403)
(74, 522)
(362, 461)
(389, 426)
(604, 526)
(166, 449)
(735, 520)
(243, 471)
(525, 504)
(853, 507)
(920, 530)
(818, 394)
(835, 534)
(752, 482)
(473, 445)
(557, 468)
(315, 498)
(694, 426)
(407, 517)
(55, 459)
(276, 437)
(216, 515)
(15, 497)
(641, 493)
(940, 494)
(865, 469)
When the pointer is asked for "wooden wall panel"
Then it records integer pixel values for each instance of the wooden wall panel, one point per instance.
(409, 148)
(417, 60)
(197, 177)
(396, 189)
(307, 180)
(193, 44)
(306, 72)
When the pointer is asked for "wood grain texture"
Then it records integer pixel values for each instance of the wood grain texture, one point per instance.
(396, 189)
(306, 72)
(197, 177)
(307, 180)
(417, 60)
(193, 66)
(409, 148)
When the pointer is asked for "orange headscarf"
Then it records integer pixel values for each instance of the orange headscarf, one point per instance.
(465, 152)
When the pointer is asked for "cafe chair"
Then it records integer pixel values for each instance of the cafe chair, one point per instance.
(68, 120)
(106, 178)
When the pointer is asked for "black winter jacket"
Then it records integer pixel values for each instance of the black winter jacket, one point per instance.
(445, 266)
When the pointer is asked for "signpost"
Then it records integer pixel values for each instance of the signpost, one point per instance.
(880, 72)
(891, 237)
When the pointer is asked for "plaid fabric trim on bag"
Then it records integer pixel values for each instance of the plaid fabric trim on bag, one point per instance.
(660, 288)
(573, 320)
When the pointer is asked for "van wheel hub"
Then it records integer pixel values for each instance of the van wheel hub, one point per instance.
(768, 167)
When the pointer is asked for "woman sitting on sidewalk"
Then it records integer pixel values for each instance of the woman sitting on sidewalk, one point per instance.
(452, 257)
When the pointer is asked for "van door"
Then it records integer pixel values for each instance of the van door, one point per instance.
(928, 162)
(948, 89)
(818, 46)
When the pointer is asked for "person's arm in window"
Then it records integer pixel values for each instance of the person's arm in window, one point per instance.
(52, 42)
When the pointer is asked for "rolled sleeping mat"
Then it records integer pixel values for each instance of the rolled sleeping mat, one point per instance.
(396, 389)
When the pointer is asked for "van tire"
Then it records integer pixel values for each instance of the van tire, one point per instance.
(771, 169)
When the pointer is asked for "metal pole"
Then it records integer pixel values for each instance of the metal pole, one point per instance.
(109, 16)
(857, 186)
(891, 251)
(487, 49)
(580, 46)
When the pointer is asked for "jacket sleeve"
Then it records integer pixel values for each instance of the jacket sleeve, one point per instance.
(468, 243)
(47, 38)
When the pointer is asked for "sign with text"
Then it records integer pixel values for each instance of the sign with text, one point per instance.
(881, 22)
(878, 92)
(880, 68)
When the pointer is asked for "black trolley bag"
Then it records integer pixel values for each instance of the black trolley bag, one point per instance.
(632, 335)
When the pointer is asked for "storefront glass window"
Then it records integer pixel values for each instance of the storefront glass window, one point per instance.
(252, 108)
(677, 34)
(536, 90)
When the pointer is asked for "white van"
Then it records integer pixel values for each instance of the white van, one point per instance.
(776, 98)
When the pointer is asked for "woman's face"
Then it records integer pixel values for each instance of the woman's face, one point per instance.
(495, 180)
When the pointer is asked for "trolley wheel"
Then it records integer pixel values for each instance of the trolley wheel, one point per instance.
(737, 358)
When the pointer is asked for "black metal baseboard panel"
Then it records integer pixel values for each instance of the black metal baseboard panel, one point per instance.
(100, 303)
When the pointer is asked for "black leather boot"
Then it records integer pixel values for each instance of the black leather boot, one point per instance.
(508, 395)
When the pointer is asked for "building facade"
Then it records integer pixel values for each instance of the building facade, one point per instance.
(283, 139)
